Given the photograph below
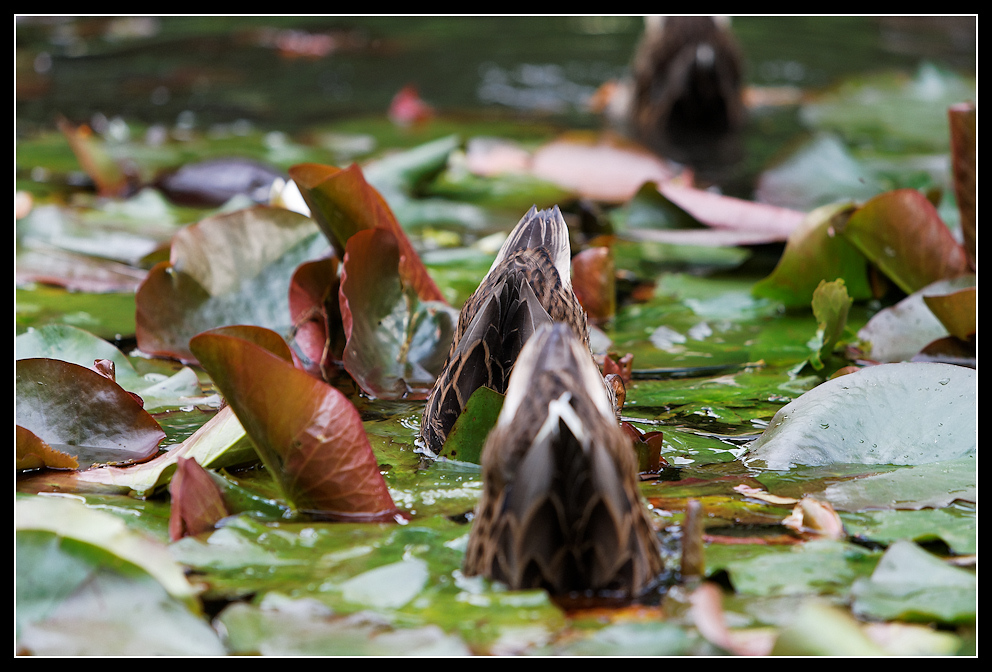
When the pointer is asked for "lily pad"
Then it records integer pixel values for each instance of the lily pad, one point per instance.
(907, 413)
(227, 269)
(308, 434)
(911, 584)
(83, 413)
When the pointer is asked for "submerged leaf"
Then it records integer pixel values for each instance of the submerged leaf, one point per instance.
(308, 434)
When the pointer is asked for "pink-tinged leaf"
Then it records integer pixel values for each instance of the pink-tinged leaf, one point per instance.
(307, 433)
(901, 232)
(77, 411)
(601, 168)
(33, 453)
(316, 314)
(815, 253)
(343, 203)
(595, 283)
(754, 222)
(233, 268)
(396, 345)
(964, 140)
(197, 503)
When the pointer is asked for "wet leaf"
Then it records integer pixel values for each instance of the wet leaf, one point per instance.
(932, 485)
(77, 346)
(956, 311)
(908, 413)
(316, 313)
(902, 233)
(33, 453)
(197, 504)
(307, 433)
(228, 269)
(396, 343)
(814, 253)
(80, 412)
(213, 182)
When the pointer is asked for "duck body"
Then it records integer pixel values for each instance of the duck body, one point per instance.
(687, 100)
(528, 285)
(560, 507)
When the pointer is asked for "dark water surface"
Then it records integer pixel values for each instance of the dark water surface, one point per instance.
(289, 73)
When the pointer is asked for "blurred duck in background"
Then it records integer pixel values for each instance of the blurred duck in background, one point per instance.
(684, 99)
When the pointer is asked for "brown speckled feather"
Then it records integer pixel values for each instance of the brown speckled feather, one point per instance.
(528, 284)
(560, 507)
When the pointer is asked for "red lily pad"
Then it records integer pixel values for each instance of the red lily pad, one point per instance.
(343, 203)
(308, 435)
(396, 344)
(82, 413)
(33, 453)
(197, 503)
(901, 232)
(233, 268)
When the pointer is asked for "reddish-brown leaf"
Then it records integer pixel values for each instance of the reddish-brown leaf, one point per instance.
(197, 503)
(594, 282)
(307, 433)
(343, 203)
(316, 313)
(963, 118)
(901, 232)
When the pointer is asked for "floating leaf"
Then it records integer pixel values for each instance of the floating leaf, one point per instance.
(308, 434)
(33, 453)
(908, 413)
(815, 252)
(911, 584)
(956, 311)
(71, 344)
(213, 182)
(902, 233)
(396, 344)
(228, 269)
(82, 413)
(316, 314)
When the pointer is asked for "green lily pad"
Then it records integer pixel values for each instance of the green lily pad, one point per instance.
(907, 413)
(468, 434)
(911, 584)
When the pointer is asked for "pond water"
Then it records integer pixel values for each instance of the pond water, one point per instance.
(296, 73)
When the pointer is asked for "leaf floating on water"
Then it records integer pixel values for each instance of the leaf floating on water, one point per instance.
(907, 413)
(197, 504)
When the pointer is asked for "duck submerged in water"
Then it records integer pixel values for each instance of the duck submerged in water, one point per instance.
(685, 98)
(560, 507)
(529, 284)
